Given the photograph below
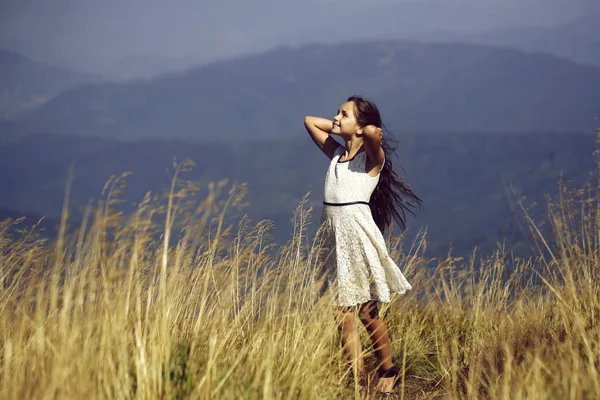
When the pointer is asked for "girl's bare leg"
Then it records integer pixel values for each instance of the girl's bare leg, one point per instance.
(350, 339)
(378, 332)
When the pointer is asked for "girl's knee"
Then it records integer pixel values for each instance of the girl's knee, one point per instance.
(343, 315)
(368, 312)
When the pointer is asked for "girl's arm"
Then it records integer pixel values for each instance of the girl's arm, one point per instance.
(372, 137)
(318, 129)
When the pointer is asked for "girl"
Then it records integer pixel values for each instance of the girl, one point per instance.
(363, 195)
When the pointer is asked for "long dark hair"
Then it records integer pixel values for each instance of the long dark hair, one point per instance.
(392, 197)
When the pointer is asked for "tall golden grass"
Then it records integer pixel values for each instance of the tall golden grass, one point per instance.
(171, 302)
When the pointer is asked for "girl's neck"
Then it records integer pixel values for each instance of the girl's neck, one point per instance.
(353, 145)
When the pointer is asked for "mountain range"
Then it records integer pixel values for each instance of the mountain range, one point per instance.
(26, 84)
(471, 121)
(419, 87)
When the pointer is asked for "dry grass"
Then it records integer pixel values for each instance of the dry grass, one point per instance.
(191, 308)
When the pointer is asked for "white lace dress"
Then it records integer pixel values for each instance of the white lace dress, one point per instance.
(356, 259)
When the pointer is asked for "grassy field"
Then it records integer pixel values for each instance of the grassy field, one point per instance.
(190, 307)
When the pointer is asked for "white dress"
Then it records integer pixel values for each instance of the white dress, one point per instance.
(356, 260)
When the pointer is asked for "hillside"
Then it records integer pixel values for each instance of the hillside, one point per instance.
(26, 84)
(420, 88)
(463, 178)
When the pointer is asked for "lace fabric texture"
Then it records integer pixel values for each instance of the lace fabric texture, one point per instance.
(355, 258)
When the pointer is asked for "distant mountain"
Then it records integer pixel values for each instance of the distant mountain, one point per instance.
(146, 66)
(26, 84)
(464, 179)
(420, 88)
(578, 40)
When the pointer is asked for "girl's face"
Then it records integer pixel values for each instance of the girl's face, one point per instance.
(344, 123)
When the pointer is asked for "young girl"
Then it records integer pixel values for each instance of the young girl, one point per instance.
(363, 195)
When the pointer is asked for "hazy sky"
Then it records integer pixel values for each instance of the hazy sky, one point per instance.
(93, 34)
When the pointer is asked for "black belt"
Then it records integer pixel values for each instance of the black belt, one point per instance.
(345, 204)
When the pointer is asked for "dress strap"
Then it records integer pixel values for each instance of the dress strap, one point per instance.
(339, 151)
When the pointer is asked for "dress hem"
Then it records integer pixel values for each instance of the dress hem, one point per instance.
(371, 299)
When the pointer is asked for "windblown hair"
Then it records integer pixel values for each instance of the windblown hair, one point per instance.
(392, 197)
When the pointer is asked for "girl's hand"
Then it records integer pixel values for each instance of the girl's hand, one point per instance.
(372, 132)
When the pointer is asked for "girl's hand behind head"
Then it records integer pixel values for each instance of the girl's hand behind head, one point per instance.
(372, 132)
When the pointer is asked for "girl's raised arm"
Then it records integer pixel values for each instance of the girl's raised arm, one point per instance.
(318, 129)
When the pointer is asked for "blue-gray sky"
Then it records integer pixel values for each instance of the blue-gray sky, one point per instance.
(92, 35)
